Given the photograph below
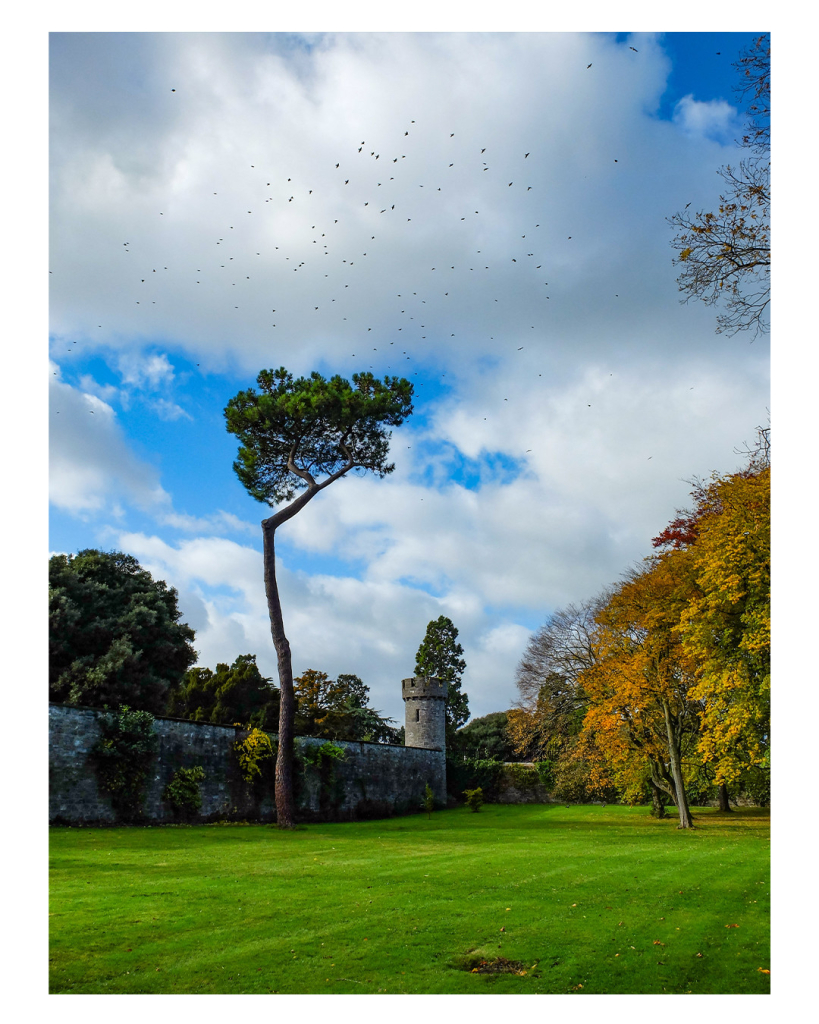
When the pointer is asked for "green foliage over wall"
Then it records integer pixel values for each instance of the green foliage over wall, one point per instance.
(122, 758)
(323, 757)
(545, 773)
(521, 776)
(182, 792)
(114, 633)
(337, 709)
(231, 694)
(485, 737)
(471, 773)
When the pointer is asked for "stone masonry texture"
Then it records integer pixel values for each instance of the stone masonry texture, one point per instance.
(424, 712)
(373, 780)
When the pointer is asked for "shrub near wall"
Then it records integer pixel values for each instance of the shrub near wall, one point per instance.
(463, 773)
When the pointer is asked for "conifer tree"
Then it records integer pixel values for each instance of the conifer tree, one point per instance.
(440, 655)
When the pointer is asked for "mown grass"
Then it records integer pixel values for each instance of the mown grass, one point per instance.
(591, 899)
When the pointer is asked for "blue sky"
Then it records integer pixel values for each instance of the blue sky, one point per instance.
(564, 396)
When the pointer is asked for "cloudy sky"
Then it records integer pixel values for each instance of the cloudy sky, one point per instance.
(483, 213)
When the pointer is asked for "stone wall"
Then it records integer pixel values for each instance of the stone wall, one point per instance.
(374, 780)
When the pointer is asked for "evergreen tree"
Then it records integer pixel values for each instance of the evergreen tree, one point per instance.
(298, 436)
(235, 693)
(114, 633)
(440, 655)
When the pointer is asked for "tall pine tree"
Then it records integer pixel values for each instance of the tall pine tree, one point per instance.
(440, 655)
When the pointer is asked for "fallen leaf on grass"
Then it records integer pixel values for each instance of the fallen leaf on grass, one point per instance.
(657, 943)
(732, 926)
(762, 970)
(699, 954)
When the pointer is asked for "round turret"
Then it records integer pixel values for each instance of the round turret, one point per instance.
(425, 712)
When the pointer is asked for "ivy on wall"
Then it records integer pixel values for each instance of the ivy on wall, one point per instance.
(122, 758)
(323, 758)
(183, 793)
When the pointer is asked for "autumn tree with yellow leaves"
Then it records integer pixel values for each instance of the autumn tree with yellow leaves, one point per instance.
(641, 708)
(665, 679)
(725, 627)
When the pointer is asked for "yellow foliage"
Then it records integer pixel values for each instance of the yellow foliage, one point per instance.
(251, 751)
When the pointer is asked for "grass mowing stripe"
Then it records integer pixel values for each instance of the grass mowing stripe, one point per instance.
(590, 899)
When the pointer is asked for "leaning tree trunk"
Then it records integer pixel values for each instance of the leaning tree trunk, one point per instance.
(676, 771)
(287, 710)
(722, 791)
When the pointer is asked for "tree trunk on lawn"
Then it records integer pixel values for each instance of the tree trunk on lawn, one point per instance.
(657, 805)
(287, 708)
(662, 780)
(676, 770)
(722, 790)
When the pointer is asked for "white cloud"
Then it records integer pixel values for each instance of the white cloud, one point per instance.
(213, 249)
(94, 472)
(107, 392)
(91, 464)
(336, 624)
(713, 119)
(611, 453)
(145, 371)
(168, 410)
(219, 522)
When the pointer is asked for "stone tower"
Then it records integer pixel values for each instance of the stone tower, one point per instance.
(425, 712)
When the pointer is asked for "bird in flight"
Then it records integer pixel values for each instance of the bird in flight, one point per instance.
(588, 66)
(634, 48)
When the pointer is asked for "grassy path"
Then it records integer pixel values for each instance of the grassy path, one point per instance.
(588, 899)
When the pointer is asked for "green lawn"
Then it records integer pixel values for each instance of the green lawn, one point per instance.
(588, 899)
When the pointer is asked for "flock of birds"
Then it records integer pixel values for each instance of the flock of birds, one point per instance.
(374, 234)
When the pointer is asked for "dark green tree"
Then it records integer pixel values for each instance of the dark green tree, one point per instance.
(114, 633)
(486, 737)
(440, 655)
(298, 436)
(235, 693)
